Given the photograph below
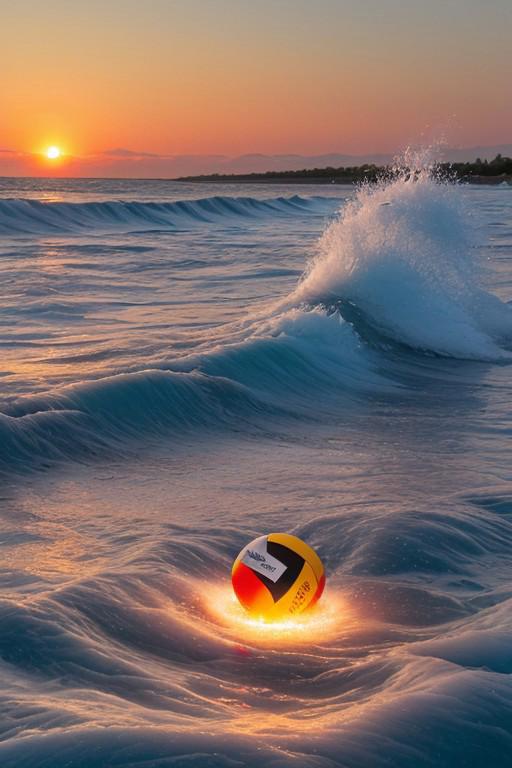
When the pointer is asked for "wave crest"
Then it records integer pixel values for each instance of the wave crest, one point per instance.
(404, 254)
(21, 217)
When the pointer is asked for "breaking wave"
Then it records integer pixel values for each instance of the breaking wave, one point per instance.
(402, 258)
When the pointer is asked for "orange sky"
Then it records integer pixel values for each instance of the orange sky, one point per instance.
(173, 77)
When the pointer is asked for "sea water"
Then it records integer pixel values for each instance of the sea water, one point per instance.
(185, 367)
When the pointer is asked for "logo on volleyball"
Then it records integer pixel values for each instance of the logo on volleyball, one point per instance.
(255, 555)
(277, 576)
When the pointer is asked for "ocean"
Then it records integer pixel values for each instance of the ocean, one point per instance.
(185, 367)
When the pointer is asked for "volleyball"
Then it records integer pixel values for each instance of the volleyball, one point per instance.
(277, 577)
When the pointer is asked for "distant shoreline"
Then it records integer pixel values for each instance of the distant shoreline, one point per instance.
(477, 180)
(496, 180)
(273, 180)
(480, 171)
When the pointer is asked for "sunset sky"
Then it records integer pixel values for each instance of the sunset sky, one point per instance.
(159, 78)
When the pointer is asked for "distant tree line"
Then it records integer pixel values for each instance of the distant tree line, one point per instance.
(349, 173)
(497, 167)
(359, 173)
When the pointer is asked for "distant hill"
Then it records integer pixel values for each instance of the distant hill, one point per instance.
(469, 154)
(260, 163)
(257, 163)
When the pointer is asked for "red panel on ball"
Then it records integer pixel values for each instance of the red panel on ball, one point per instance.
(249, 589)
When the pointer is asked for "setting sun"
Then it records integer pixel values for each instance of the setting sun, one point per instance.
(52, 153)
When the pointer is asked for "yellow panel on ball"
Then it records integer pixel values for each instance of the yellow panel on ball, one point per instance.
(277, 577)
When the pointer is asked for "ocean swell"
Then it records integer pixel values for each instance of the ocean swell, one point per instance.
(32, 217)
(399, 263)
(272, 373)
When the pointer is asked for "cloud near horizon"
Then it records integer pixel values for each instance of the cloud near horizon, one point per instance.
(122, 152)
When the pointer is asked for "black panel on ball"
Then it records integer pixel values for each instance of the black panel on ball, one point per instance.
(294, 564)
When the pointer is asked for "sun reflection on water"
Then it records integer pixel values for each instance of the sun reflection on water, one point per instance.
(320, 624)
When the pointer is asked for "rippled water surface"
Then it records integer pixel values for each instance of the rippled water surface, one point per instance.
(185, 367)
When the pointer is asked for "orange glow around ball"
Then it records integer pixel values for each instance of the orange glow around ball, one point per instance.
(277, 577)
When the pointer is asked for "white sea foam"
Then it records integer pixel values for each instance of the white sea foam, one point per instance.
(404, 252)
